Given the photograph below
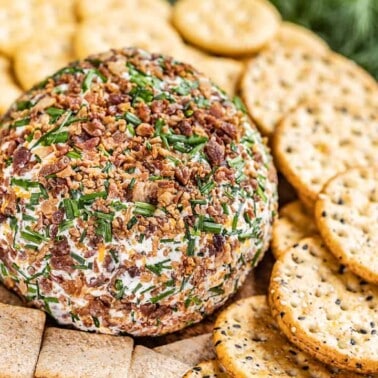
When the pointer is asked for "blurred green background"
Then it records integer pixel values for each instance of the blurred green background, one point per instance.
(349, 26)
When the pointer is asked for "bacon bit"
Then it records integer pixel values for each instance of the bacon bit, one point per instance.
(94, 128)
(20, 158)
(144, 191)
(49, 206)
(182, 175)
(88, 144)
(145, 130)
(51, 168)
(215, 152)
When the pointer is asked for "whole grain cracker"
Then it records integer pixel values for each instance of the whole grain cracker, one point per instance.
(249, 343)
(293, 36)
(206, 369)
(347, 217)
(89, 9)
(324, 309)
(271, 86)
(42, 55)
(294, 223)
(9, 89)
(7, 297)
(226, 27)
(98, 35)
(148, 363)
(73, 354)
(21, 332)
(191, 350)
(320, 139)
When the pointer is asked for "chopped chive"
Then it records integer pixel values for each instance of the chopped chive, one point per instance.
(114, 255)
(143, 208)
(155, 178)
(158, 267)
(161, 296)
(239, 104)
(190, 248)
(225, 208)
(218, 290)
(24, 183)
(23, 105)
(32, 236)
(74, 154)
(83, 235)
(28, 218)
(66, 225)
(214, 228)
(198, 202)
(174, 160)
(132, 222)
(132, 118)
(197, 149)
(89, 198)
(158, 126)
(91, 74)
(148, 289)
(71, 207)
(167, 240)
(261, 194)
(137, 287)
(246, 235)
(104, 229)
(207, 188)
(96, 322)
(102, 215)
(20, 122)
(131, 184)
(78, 258)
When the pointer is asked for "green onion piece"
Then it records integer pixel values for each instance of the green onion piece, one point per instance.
(23, 105)
(96, 322)
(29, 218)
(225, 209)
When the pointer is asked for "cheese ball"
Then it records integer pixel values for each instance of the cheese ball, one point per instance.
(135, 195)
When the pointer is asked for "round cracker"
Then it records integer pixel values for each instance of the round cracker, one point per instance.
(248, 343)
(42, 55)
(294, 223)
(206, 369)
(320, 139)
(347, 217)
(234, 27)
(271, 87)
(9, 89)
(324, 309)
(89, 9)
(98, 35)
(293, 35)
(22, 18)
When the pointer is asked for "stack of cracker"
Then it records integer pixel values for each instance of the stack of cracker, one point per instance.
(319, 112)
